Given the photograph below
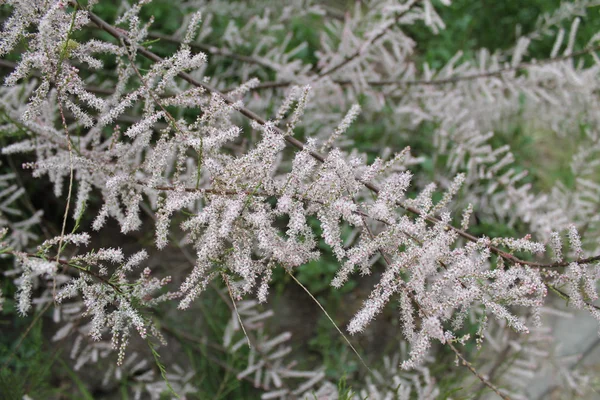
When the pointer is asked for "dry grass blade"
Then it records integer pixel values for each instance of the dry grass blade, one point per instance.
(332, 321)
(236, 309)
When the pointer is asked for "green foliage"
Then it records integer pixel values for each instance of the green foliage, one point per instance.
(81, 386)
(344, 390)
(492, 25)
(200, 338)
(161, 367)
(332, 351)
(27, 370)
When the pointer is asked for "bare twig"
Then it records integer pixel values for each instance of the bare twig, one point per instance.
(237, 313)
(443, 81)
(330, 320)
(474, 372)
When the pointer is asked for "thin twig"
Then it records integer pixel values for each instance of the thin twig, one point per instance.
(443, 81)
(237, 313)
(330, 320)
(474, 372)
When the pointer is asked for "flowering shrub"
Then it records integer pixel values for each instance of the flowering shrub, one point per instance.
(243, 152)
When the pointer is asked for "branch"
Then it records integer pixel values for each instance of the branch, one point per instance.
(474, 372)
(443, 81)
(499, 252)
(300, 145)
(466, 363)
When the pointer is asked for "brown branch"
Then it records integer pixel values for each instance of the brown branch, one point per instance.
(474, 372)
(443, 81)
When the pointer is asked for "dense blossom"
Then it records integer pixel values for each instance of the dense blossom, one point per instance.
(250, 207)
